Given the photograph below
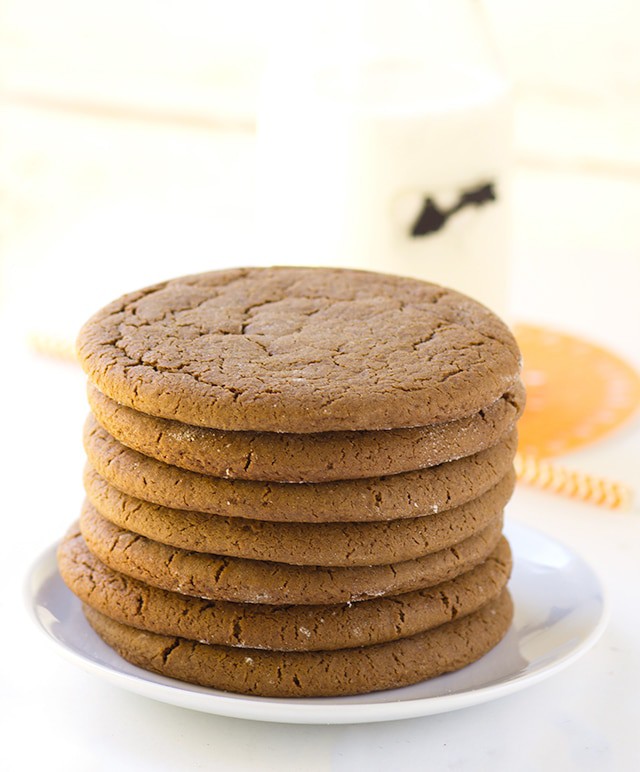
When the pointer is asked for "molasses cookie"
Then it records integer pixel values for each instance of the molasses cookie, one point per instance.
(282, 628)
(409, 494)
(321, 544)
(318, 457)
(445, 648)
(299, 350)
(215, 577)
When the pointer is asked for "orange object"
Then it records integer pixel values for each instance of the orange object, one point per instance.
(577, 392)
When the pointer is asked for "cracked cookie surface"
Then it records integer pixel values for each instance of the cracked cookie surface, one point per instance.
(443, 649)
(409, 494)
(299, 350)
(312, 544)
(281, 628)
(317, 457)
(217, 577)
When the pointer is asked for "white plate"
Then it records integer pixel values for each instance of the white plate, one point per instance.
(560, 614)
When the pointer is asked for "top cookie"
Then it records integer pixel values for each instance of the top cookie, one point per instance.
(299, 350)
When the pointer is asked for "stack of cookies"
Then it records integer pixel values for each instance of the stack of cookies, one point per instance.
(296, 480)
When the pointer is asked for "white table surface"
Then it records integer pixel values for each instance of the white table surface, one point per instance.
(58, 717)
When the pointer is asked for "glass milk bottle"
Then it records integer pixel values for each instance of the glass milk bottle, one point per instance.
(384, 144)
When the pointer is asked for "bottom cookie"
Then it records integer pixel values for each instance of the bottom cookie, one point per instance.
(313, 674)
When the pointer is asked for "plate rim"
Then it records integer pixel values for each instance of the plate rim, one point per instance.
(328, 710)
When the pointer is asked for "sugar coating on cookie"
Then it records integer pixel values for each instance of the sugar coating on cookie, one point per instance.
(299, 350)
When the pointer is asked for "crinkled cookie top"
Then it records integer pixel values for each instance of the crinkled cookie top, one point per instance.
(299, 350)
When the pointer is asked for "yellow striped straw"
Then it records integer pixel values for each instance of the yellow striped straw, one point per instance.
(530, 470)
(572, 483)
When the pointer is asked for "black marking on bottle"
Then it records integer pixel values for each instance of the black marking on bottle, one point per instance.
(432, 218)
